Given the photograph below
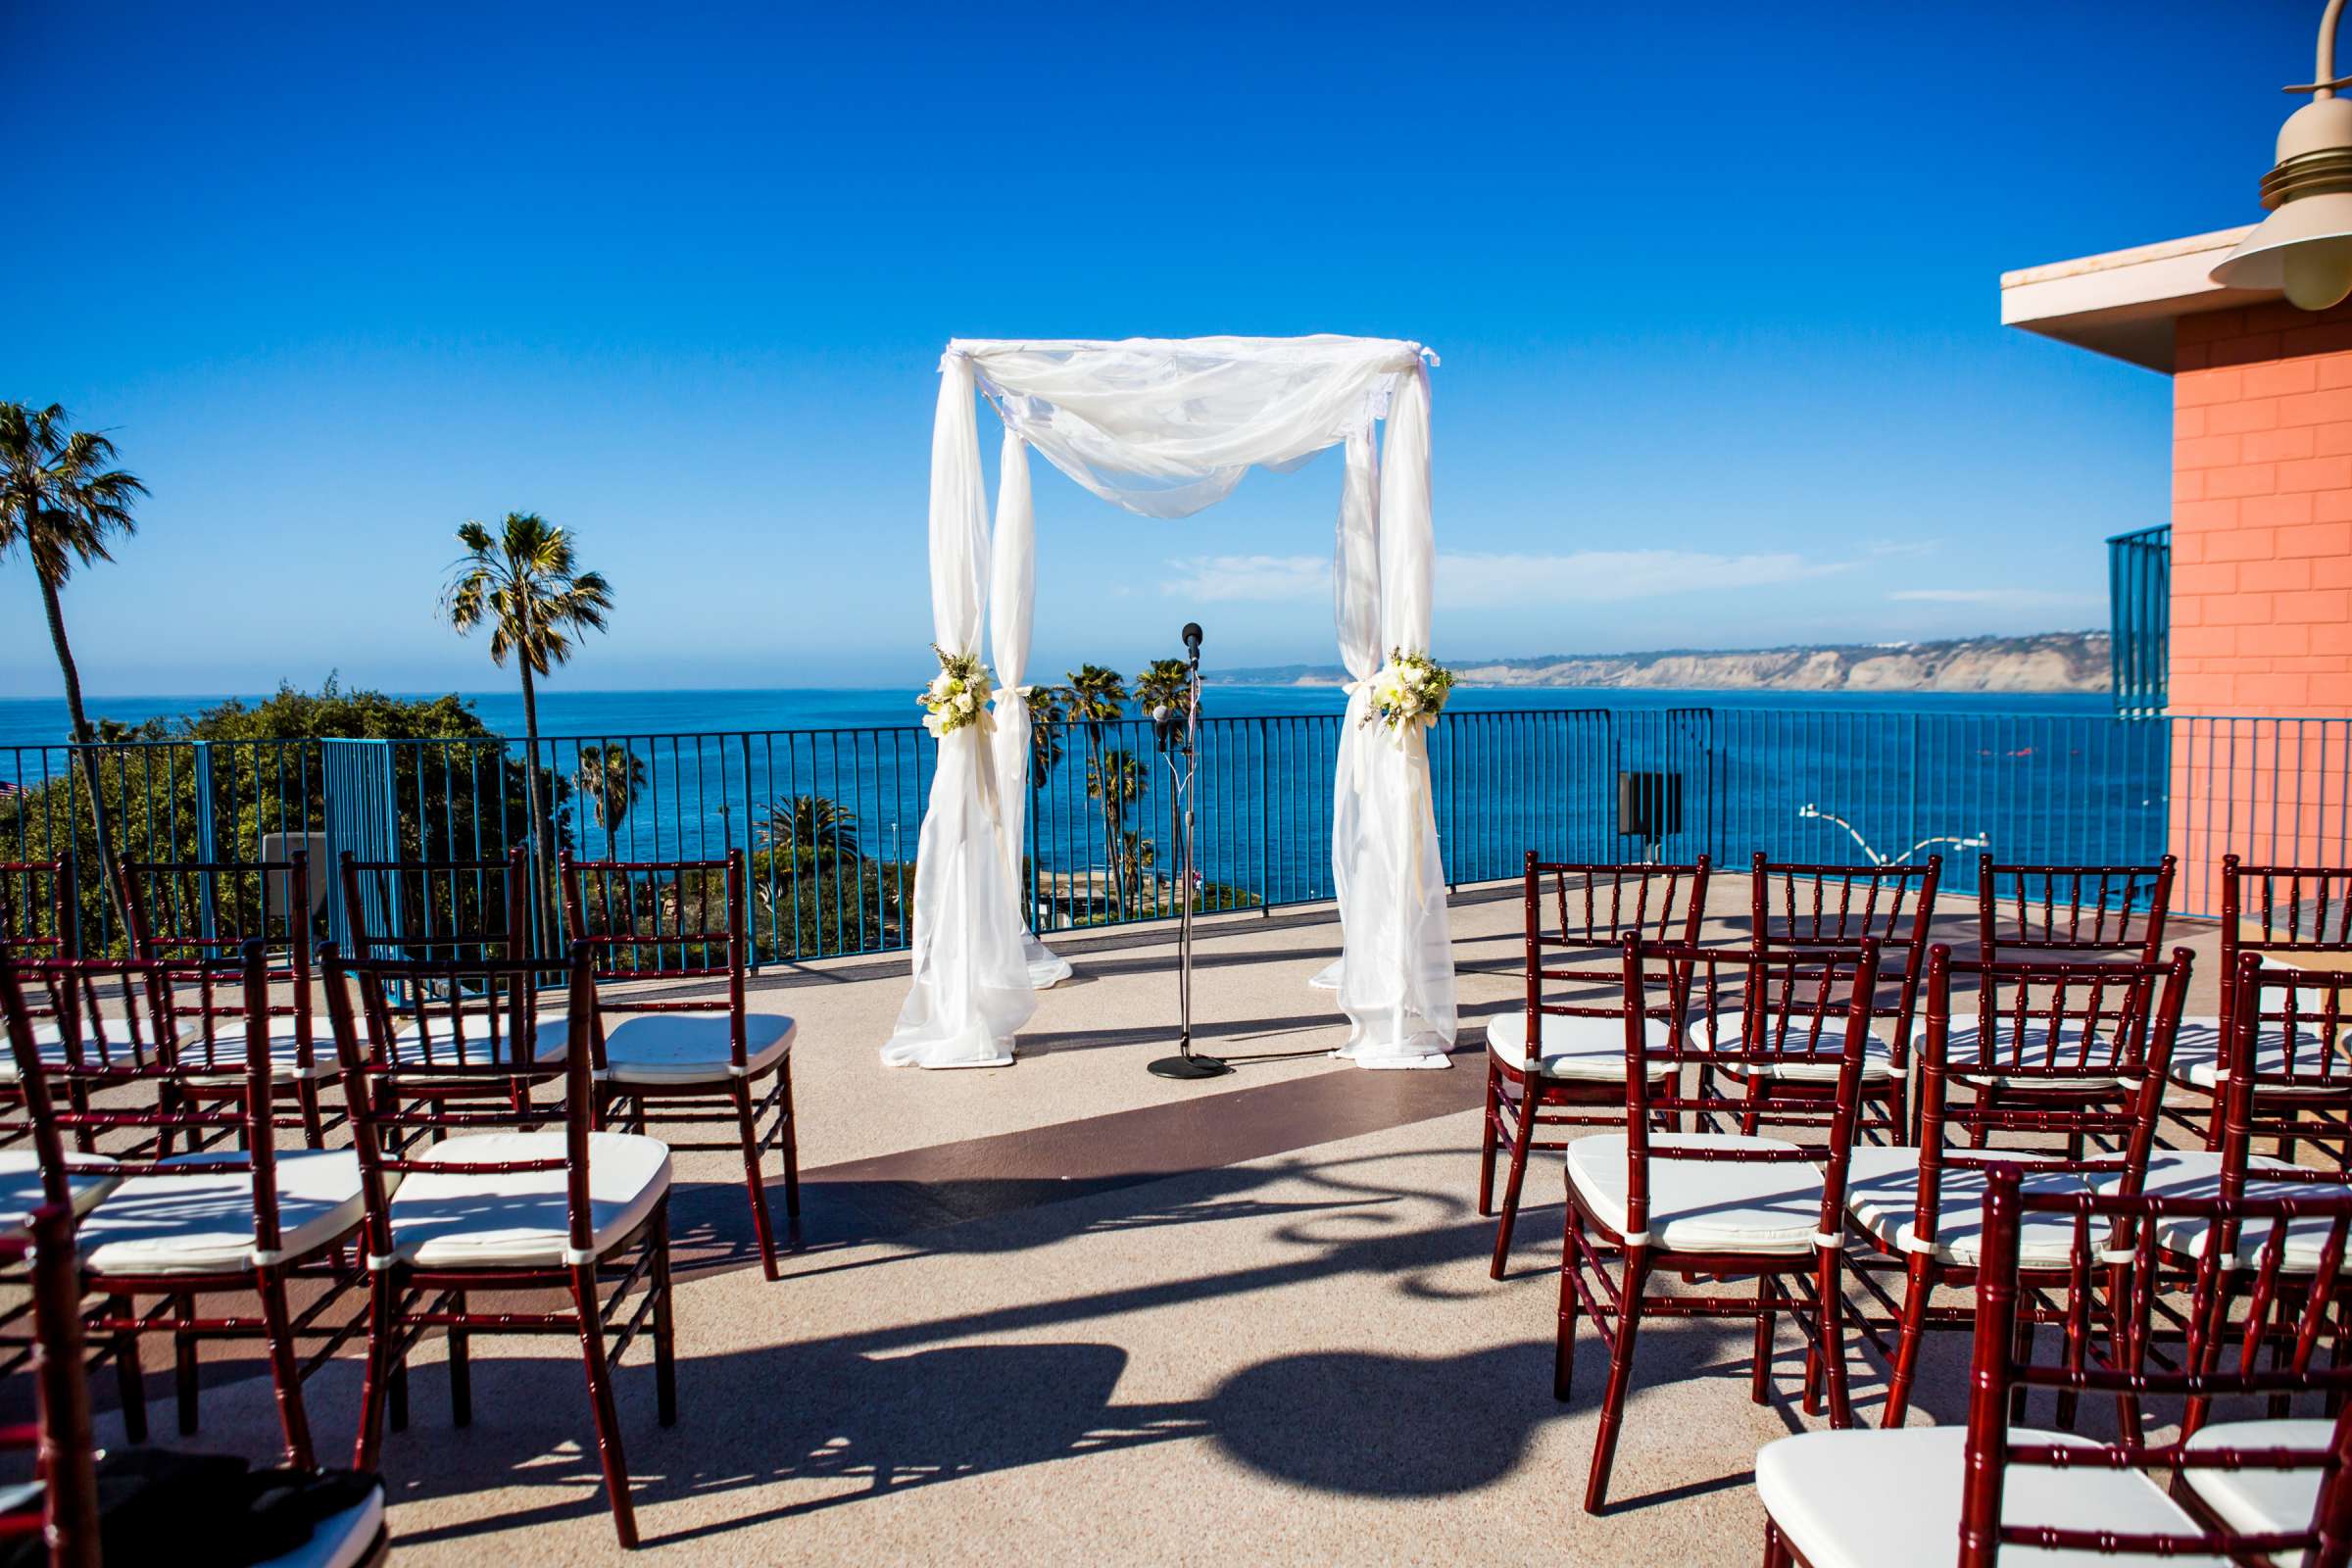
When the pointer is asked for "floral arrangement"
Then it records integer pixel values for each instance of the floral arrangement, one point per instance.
(1409, 689)
(958, 695)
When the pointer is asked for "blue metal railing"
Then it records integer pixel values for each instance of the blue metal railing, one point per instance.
(2139, 607)
(829, 819)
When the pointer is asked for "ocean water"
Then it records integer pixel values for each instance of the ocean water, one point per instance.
(43, 721)
(2048, 779)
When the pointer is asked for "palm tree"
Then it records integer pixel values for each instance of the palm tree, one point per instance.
(611, 776)
(60, 500)
(1116, 778)
(1046, 716)
(1097, 697)
(1162, 684)
(813, 830)
(525, 583)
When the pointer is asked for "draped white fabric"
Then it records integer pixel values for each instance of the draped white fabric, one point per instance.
(1165, 427)
(1396, 974)
(1012, 590)
(971, 991)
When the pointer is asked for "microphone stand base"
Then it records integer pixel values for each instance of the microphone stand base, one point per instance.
(1189, 1067)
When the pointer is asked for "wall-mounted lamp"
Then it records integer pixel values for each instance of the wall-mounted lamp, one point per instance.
(2305, 246)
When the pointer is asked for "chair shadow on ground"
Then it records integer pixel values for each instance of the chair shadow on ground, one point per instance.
(870, 1412)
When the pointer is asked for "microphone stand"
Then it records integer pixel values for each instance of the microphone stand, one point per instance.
(1183, 759)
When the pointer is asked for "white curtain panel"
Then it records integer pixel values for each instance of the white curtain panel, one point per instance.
(1165, 427)
(971, 991)
(1012, 591)
(1355, 601)
(1396, 973)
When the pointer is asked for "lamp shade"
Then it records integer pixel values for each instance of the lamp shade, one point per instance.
(2304, 248)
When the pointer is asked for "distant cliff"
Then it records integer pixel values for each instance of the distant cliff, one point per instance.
(2051, 662)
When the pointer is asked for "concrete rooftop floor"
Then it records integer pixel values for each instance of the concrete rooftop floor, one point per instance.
(1070, 1312)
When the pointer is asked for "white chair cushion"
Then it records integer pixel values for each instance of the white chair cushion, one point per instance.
(2029, 1046)
(1872, 1499)
(88, 1179)
(2197, 1173)
(1882, 1193)
(2261, 1502)
(1711, 1206)
(340, 1539)
(203, 1224)
(2197, 1056)
(1577, 1048)
(48, 1039)
(518, 1219)
(1812, 1058)
(690, 1047)
(285, 1056)
(549, 1040)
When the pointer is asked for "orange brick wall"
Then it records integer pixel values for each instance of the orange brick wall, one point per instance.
(2261, 585)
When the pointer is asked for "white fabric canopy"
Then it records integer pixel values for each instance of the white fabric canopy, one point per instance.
(1166, 427)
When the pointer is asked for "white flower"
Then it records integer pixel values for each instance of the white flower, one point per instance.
(936, 723)
(1413, 676)
(963, 702)
(940, 684)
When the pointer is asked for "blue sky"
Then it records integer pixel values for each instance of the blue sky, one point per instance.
(1716, 290)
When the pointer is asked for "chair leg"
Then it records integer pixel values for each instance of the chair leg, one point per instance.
(1621, 1376)
(284, 1376)
(313, 1125)
(1830, 1337)
(1759, 1380)
(1486, 1141)
(1530, 1097)
(1563, 1355)
(665, 1343)
(1776, 1550)
(610, 1457)
(791, 1140)
(396, 1389)
(384, 1326)
(183, 1360)
(748, 1128)
(130, 1381)
(1919, 1283)
(461, 1367)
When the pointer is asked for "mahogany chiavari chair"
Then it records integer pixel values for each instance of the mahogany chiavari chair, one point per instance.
(1923, 1208)
(466, 1198)
(1992, 1489)
(1569, 1070)
(212, 1223)
(193, 917)
(2067, 913)
(1832, 909)
(2300, 916)
(1722, 1205)
(61, 1498)
(61, 1503)
(36, 922)
(686, 1061)
(451, 911)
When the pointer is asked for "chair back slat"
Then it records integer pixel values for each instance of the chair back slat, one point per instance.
(1578, 916)
(2297, 1087)
(2247, 1336)
(2086, 909)
(455, 910)
(1801, 908)
(195, 917)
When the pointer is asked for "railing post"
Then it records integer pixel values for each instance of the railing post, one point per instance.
(201, 768)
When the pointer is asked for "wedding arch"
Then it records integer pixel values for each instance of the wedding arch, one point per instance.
(1166, 427)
